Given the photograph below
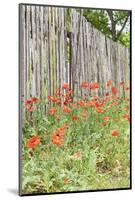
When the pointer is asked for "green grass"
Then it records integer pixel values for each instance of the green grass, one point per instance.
(103, 161)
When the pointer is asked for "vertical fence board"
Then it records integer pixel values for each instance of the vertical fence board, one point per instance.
(44, 58)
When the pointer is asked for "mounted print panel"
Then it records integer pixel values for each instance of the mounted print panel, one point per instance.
(75, 66)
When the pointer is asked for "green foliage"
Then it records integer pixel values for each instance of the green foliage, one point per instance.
(125, 39)
(101, 20)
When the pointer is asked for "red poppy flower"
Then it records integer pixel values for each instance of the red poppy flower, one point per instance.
(30, 108)
(66, 109)
(67, 100)
(94, 85)
(58, 92)
(68, 93)
(108, 83)
(58, 101)
(28, 102)
(114, 91)
(97, 104)
(65, 86)
(29, 105)
(52, 111)
(34, 100)
(84, 84)
(127, 88)
(73, 105)
(115, 133)
(33, 142)
(121, 83)
(107, 94)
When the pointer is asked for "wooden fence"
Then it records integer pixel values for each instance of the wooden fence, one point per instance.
(44, 53)
(95, 57)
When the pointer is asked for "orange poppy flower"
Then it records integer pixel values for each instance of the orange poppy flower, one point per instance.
(64, 126)
(61, 130)
(33, 142)
(99, 110)
(66, 109)
(82, 103)
(126, 116)
(53, 98)
(56, 139)
(65, 86)
(91, 104)
(115, 133)
(52, 111)
(114, 91)
(74, 118)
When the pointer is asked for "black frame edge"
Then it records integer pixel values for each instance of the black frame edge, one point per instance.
(19, 103)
